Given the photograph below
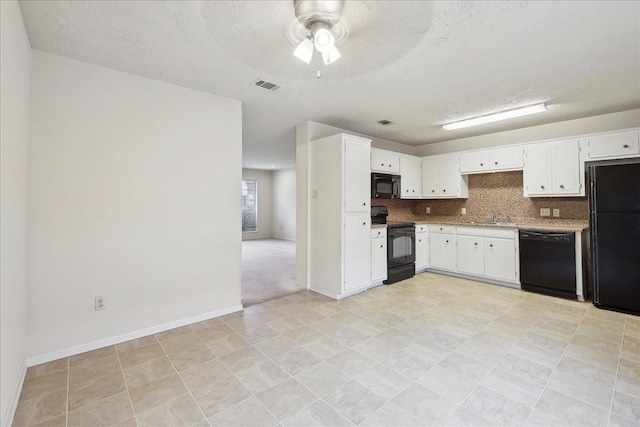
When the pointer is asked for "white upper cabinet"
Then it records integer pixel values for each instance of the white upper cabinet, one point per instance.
(441, 178)
(493, 160)
(622, 144)
(357, 180)
(385, 161)
(553, 169)
(411, 177)
(566, 175)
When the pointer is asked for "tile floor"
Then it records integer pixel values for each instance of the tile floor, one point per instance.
(432, 350)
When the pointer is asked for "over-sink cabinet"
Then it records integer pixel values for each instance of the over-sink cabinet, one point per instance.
(339, 215)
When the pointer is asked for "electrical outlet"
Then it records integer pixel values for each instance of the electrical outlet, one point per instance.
(428, 209)
(556, 212)
(100, 303)
(545, 212)
(464, 211)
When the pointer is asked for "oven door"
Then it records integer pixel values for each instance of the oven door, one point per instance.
(401, 246)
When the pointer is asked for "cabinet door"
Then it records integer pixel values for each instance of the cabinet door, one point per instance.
(357, 179)
(430, 178)
(612, 146)
(357, 251)
(378, 259)
(449, 176)
(507, 158)
(566, 167)
(477, 161)
(500, 259)
(411, 174)
(537, 170)
(470, 255)
(442, 249)
(385, 161)
(422, 250)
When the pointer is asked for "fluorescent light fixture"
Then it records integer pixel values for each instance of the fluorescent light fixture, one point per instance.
(331, 56)
(510, 114)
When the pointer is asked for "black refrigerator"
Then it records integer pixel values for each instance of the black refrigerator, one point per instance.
(615, 234)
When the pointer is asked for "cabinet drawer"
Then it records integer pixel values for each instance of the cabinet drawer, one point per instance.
(608, 146)
(379, 232)
(420, 228)
(442, 229)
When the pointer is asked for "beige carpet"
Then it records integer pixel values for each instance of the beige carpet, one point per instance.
(268, 270)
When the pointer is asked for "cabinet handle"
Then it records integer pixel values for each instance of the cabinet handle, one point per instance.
(561, 186)
(389, 165)
(447, 241)
(542, 186)
(476, 244)
(490, 246)
(364, 204)
(433, 191)
(440, 228)
(419, 240)
(381, 164)
(364, 223)
(481, 164)
(413, 191)
(625, 146)
(496, 163)
(407, 191)
(382, 246)
(444, 191)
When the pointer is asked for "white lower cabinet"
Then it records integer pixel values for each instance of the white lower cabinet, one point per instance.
(422, 248)
(500, 259)
(470, 255)
(357, 268)
(442, 248)
(475, 251)
(378, 254)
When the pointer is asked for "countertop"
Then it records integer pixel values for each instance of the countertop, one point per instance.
(551, 225)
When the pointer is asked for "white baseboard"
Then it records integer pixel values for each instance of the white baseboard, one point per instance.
(284, 238)
(14, 402)
(93, 345)
(302, 285)
(475, 278)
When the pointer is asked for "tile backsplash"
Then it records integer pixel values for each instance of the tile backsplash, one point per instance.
(502, 192)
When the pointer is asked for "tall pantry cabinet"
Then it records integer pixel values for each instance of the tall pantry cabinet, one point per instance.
(339, 215)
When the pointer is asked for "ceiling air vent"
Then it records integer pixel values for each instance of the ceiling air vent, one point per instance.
(385, 122)
(263, 84)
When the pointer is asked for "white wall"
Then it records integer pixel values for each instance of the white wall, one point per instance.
(135, 190)
(603, 123)
(284, 204)
(264, 178)
(14, 143)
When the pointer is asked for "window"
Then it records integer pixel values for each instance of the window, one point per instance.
(249, 206)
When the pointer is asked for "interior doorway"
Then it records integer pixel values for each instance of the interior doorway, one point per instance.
(268, 234)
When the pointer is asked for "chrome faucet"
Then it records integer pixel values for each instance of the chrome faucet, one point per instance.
(496, 216)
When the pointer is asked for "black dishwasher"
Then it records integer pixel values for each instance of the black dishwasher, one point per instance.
(548, 263)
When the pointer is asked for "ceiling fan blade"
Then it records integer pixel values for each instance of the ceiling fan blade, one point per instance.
(304, 51)
(331, 56)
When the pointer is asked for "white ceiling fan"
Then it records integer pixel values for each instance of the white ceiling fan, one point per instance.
(324, 28)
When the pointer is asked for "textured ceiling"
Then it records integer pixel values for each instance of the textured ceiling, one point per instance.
(419, 64)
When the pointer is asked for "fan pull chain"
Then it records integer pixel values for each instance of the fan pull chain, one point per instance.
(318, 63)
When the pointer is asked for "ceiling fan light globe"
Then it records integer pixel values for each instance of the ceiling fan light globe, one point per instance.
(323, 40)
(304, 51)
(331, 56)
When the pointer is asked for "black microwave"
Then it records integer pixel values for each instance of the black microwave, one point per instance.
(385, 186)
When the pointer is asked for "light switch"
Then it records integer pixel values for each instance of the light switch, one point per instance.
(464, 211)
(556, 212)
(545, 212)
(428, 209)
